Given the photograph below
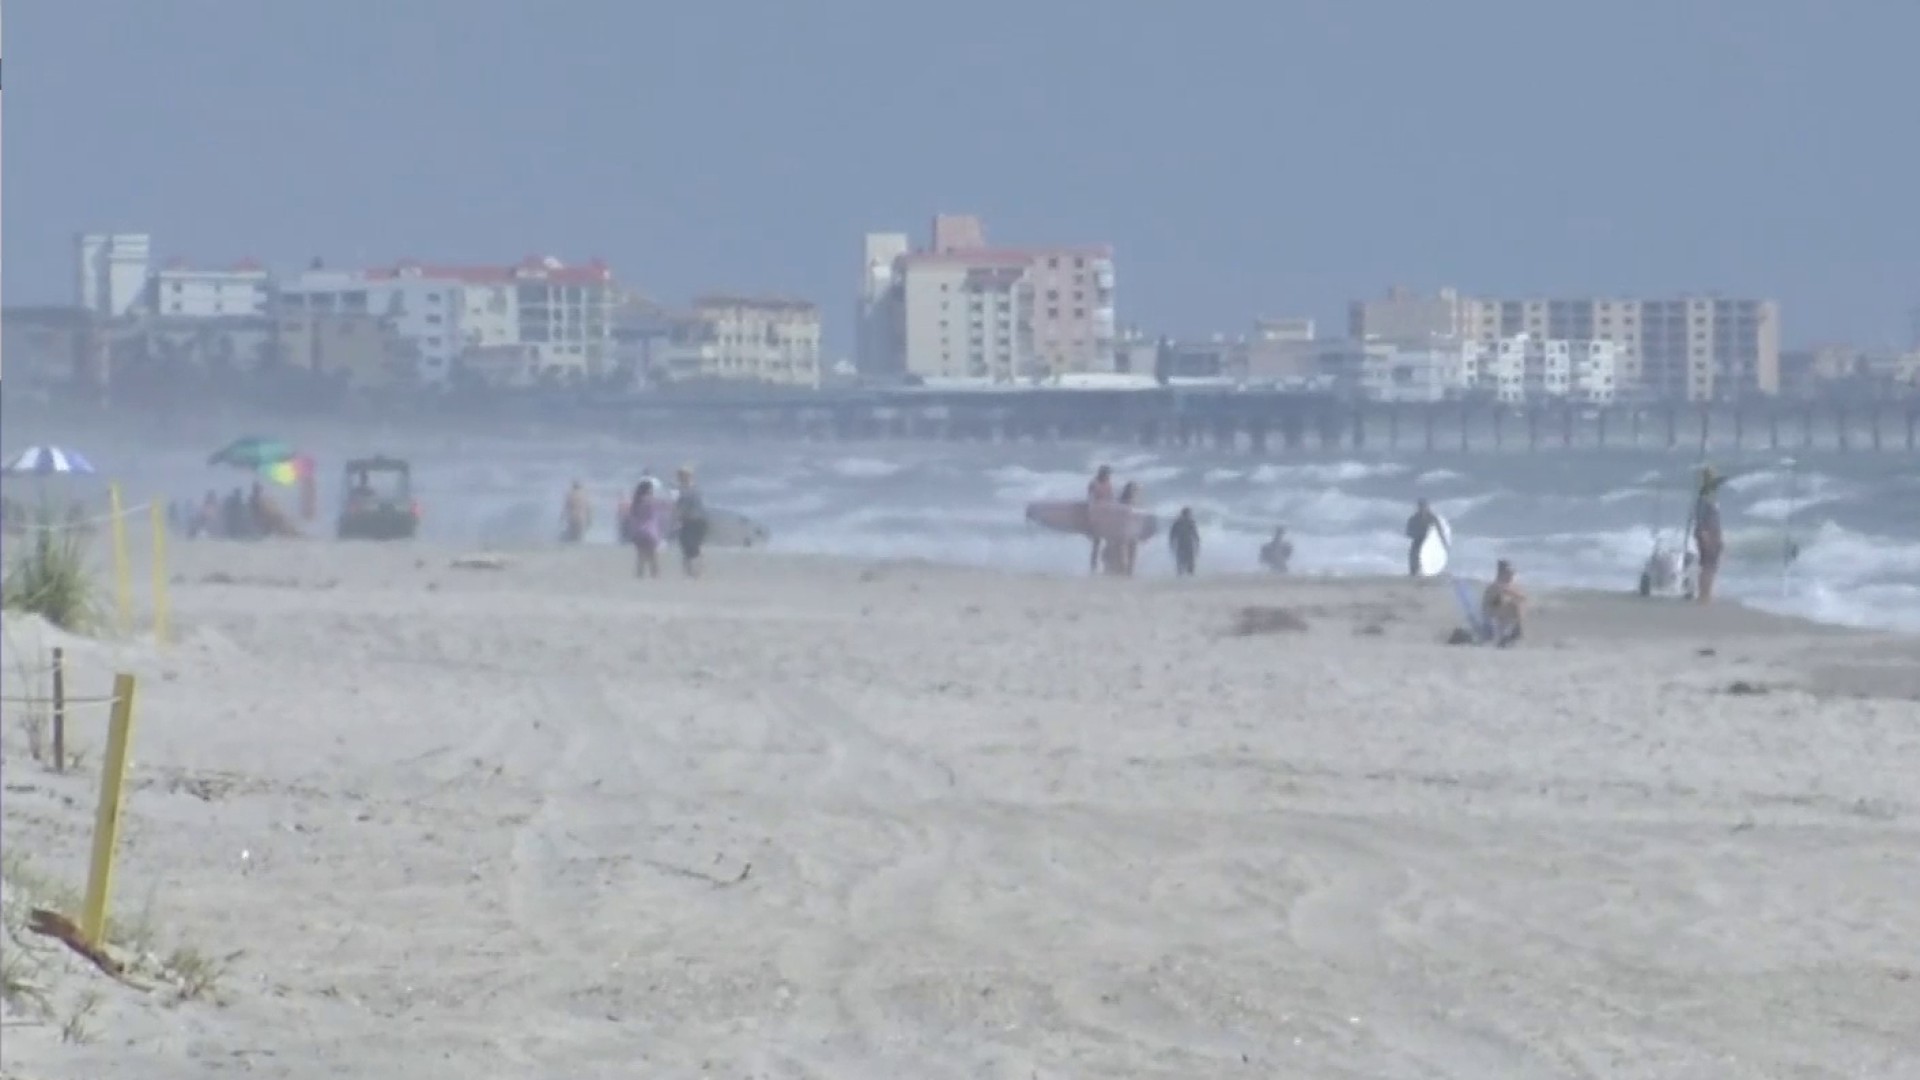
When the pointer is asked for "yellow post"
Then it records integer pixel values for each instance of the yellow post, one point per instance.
(106, 822)
(122, 575)
(159, 574)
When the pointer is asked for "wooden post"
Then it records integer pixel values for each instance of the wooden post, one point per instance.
(59, 709)
(106, 822)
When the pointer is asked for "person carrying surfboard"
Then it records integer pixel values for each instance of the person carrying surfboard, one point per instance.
(1423, 522)
(1708, 539)
(1099, 490)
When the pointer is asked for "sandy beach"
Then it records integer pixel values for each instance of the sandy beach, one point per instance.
(832, 819)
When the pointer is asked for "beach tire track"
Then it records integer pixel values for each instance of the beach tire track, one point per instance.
(898, 791)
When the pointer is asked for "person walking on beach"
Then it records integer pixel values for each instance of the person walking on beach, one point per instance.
(644, 526)
(690, 514)
(1185, 538)
(1707, 537)
(576, 515)
(1099, 490)
(1423, 522)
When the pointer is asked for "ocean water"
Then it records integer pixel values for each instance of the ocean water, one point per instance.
(1565, 518)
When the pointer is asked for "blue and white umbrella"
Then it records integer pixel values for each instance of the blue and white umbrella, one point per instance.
(47, 461)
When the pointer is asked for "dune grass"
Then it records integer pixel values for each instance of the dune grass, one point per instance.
(31, 966)
(50, 573)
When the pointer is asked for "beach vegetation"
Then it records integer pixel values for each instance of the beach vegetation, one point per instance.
(29, 962)
(51, 575)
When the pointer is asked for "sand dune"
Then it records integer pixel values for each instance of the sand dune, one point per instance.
(819, 819)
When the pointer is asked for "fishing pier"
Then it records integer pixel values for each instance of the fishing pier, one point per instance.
(1261, 421)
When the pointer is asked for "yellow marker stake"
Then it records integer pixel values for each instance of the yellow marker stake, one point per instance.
(159, 575)
(122, 575)
(106, 822)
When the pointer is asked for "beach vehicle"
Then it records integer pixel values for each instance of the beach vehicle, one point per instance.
(379, 502)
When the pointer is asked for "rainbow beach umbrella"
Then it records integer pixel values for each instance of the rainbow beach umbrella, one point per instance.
(289, 472)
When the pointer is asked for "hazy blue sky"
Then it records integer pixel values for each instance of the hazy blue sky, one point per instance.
(1244, 158)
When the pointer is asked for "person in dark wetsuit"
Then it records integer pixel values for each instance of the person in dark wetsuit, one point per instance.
(1423, 522)
(1185, 538)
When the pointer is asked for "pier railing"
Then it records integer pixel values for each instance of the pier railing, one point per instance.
(1282, 421)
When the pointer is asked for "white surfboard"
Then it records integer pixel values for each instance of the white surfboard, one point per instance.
(1435, 549)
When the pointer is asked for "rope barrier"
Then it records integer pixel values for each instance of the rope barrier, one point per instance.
(106, 700)
(36, 524)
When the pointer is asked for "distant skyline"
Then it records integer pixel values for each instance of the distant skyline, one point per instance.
(1244, 160)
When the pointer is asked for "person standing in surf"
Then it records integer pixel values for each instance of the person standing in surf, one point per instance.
(1422, 523)
(576, 515)
(1708, 540)
(1099, 490)
(1185, 538)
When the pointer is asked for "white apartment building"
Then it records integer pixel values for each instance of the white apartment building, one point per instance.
(181, 291)
(562, 314)
(1522, 368)
(961, 309)
(768, 340)
(111, 272)
(1691, 348)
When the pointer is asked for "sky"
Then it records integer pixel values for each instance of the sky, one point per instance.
(1244, 159)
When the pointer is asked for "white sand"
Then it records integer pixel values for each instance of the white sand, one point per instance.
(496, 822)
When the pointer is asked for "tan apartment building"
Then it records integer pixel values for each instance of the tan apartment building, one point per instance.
(1406, 315)
(1692, 348)
(768, 340)
(962, 309)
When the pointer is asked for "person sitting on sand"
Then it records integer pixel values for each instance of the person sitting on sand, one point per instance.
(1185, 538)
(1502, 605)
(1099, 490)
(646, 519)
(576, 515)
(1661, 574)
(1277, 553)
